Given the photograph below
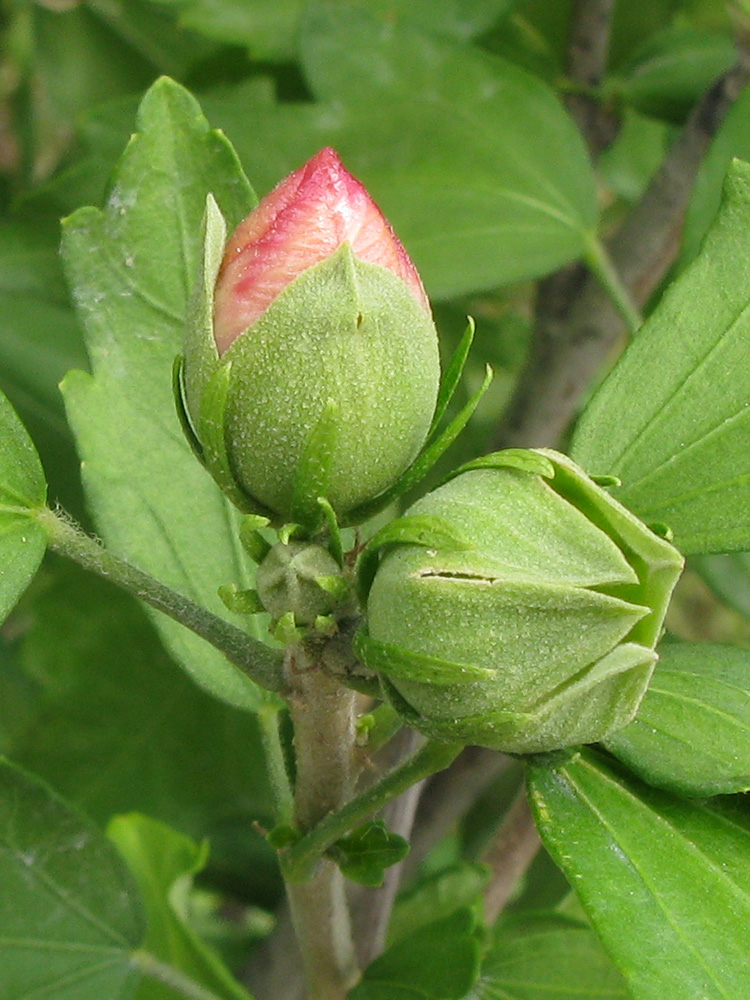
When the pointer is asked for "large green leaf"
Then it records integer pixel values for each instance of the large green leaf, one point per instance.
(455, 144)
(75, 61)
(22, 489)
(105, 696)
(270, 30)
(267, 29)
(672, 420)
(163, 862)
(728, 576)
(548, 957)
(667, 75)
(437, 896)
(665, 881)
(732, 140)
(70, 914)
(132, 268)
(39, 341)
(440, 961)
(692, 731)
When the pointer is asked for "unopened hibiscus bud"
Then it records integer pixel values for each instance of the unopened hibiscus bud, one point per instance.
(294, 577)
(534, 629)
(311, 364)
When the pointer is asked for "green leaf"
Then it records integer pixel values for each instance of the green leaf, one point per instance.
(672, 420)
(692, 731)
(39, 341)
(664, 881)
(728, 576)
(548, 957)
(732, 140)
(365, 853)
(22, 488)
(636, 154)
(106, 695)
(436, 897)
(78, 62)
(437, 962)
(267, 29)
(164, 862)
(70, 914)
(132, 268)
(667, 75)
(454, 145)
(270, 29)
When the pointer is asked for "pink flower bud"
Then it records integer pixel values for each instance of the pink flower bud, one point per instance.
(311, 365)
(304, 220)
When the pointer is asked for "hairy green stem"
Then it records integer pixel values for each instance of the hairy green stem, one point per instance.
(150, 966)
(323, 713)
(300, 860)
(268, 722)
(598, 260)
(261, 663)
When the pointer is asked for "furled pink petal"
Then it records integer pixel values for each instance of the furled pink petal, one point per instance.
(300, 223)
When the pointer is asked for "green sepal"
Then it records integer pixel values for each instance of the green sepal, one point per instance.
(606, 481)
(335, 544)
(335, 585)
(661, 530)
(314, 467)
(364, 854)
(584, 710)
(256, 546)
(283, 835)
(211, 429)
(178, 388)
(523, 459)
(326, 625)
(241, 602)
(285, 630)
(291, 530)
(200, 352)
(385, 658)
(428, 530)
(659, 564)
(423, 462)
(452, 375)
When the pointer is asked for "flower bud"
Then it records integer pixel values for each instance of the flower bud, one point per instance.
(537, 630)
(289, 580)
(311, 364)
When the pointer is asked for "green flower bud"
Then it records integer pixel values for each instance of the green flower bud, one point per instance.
(535, 628)
(296, 577)
(311, 364)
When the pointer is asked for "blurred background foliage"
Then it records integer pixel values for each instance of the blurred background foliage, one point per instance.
(450, 112)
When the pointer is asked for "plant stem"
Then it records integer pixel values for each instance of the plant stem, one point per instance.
(372, 907)
(149, 966)
(323, 712)
(599, 262)
(261, 663)
(510, 854)
(300, 859)
(588, 50)
(268, 722)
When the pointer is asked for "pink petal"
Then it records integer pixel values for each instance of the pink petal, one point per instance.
(301, 223)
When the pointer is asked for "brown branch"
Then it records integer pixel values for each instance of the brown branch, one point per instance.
(448, 796)
(510, 854)
(588, 49)
(577, 328)
(371, 908)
